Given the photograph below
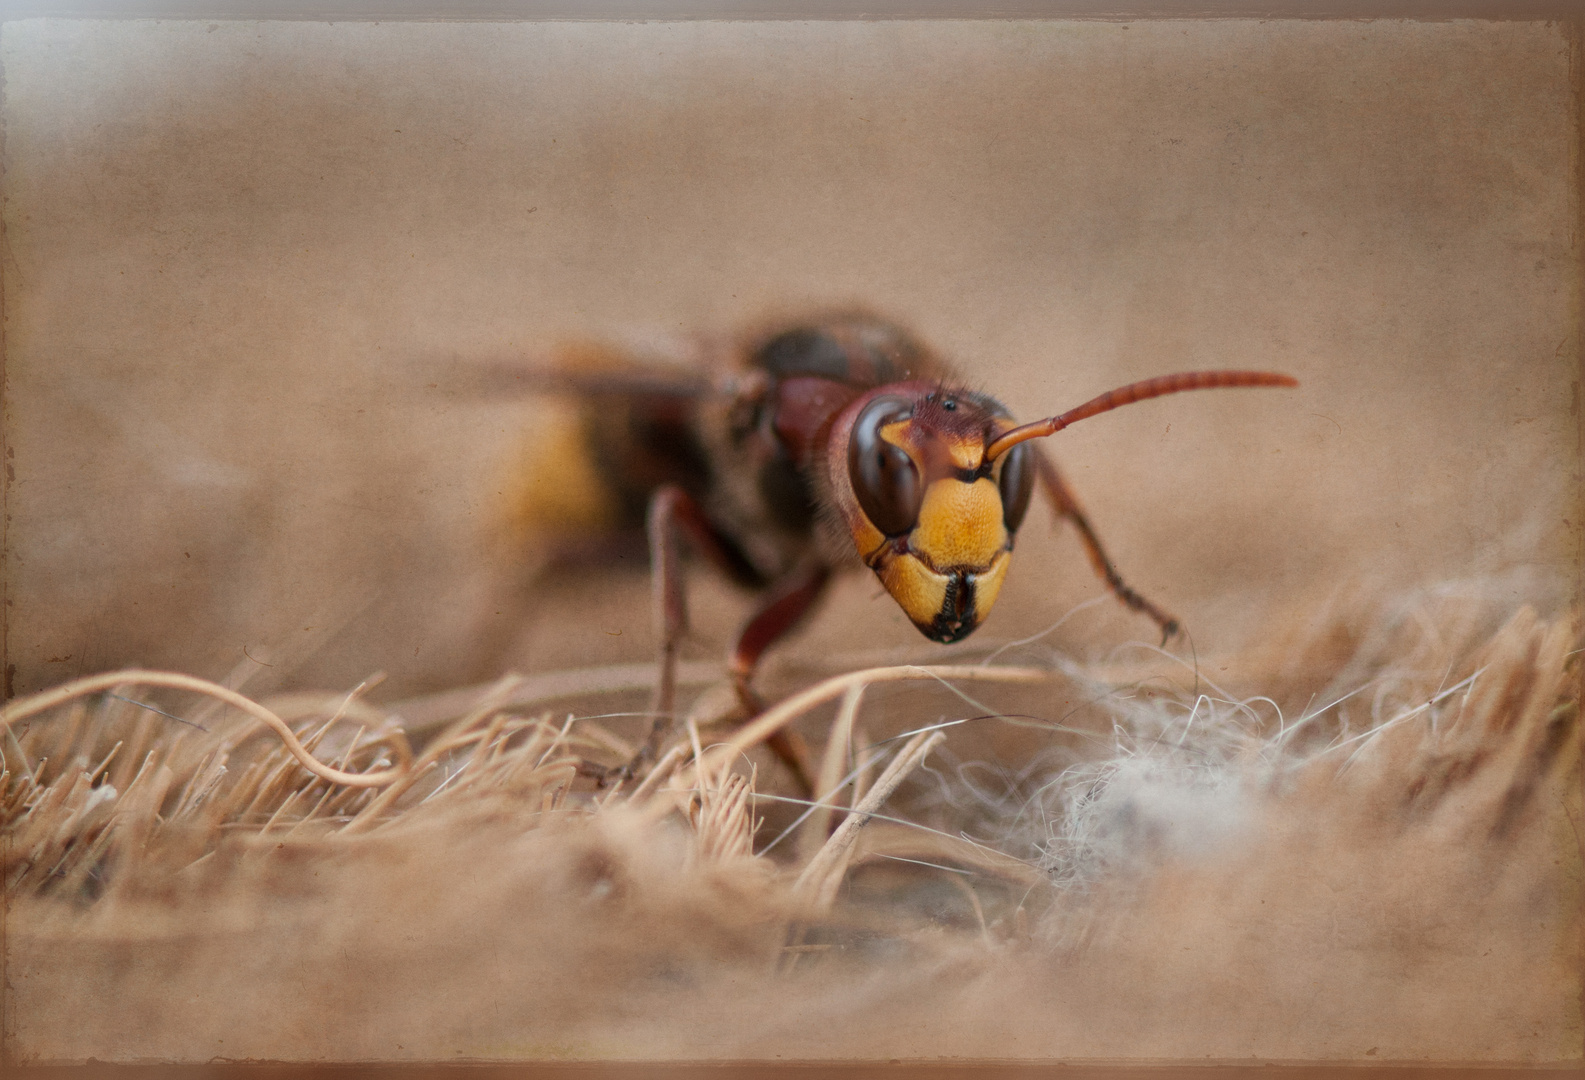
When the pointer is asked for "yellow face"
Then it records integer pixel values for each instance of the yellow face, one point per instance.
(930, 518)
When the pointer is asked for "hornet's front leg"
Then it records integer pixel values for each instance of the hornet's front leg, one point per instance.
(1064, 503)
(672, 511)
(788, 601)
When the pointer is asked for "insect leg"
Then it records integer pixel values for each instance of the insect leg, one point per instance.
(1065, 505)
(671, 509)
(789, 600)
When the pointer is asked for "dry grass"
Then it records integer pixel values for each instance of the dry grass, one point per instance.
(1376, 859)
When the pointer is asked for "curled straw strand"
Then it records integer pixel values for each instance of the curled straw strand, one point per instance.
(774, 719)
(767, 724)
(93, 684)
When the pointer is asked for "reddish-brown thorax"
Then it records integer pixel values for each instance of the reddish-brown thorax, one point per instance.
(804, 409)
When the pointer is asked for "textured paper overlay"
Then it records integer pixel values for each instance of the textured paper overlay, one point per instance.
(231, 245)
(225, 238)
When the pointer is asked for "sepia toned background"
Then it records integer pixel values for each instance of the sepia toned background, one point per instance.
(247, 266)
(233, 248)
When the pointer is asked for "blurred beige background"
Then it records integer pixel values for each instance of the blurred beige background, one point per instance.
(230, 246)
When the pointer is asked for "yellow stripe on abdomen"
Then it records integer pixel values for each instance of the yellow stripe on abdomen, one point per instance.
(552, 486)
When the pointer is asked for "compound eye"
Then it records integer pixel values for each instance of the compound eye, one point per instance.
(883, 475)
(1017, 484)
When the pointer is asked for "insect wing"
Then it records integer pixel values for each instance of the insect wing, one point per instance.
(494, 379)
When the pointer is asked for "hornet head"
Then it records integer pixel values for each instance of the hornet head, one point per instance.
(928, 510)
(933, 483)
